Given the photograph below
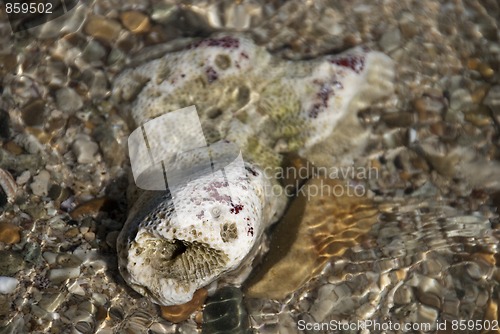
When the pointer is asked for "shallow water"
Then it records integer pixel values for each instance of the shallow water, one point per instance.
(418, 246)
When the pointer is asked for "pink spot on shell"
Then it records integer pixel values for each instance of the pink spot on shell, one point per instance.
(236, 208)
(354, 62)
(214, 194)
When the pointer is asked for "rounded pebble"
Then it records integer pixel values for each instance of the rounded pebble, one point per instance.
(68, 100)
(178, 313)
(135, 21)
(32, 113)
(224, 313)
(102, 28)
(84, 149)
(9, 233)
(60, 275)
(8, 284)
(40, 184)
(11, 263)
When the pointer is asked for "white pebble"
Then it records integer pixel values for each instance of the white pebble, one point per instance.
(40, 184)
(84, 149)
(68, 100)
(8, 284)
(23, 178)
(390, 40)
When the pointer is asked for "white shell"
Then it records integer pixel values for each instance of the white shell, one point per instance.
(262, 104)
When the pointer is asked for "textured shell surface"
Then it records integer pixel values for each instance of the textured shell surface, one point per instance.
(264, 105)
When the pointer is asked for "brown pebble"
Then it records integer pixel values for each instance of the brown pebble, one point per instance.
(479, 94)
(8, 62)
(473, 63)
(198, 318)
(9, 233)
(42, 136)
(72, 232)
(485, 70)
(178, 313)
(32, 113)
(477, 119)
(135, 21)
(492, 311)
(102, 28)
(13, 148)
(437, 129)
(91, 208)
(89, 236)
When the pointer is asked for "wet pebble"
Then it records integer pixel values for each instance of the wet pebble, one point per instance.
(12, 147)
(68, 100)
(492, 99)
(57, 276)
(98, 84)
(40, 184)
(165, 12)
(135, 21)
(111, 239)
(390, 40)
(84, 149)
(224, 313)
(23, 178)
(50, 302)
(460, 100)
(8, 284)
(408, 26)
(68, 260)
(11, 263)
(32, 252)
(33, 113)
(102, 28)
(325, 303)
(9, 233)
(92, 208)
(178, 313)
(94, 52)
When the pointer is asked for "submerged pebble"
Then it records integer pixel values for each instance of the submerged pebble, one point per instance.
(40, 184)
(9, 233)
(84, 149)
(12, 262)
(225, 313)
(8, 284)
(178, 313)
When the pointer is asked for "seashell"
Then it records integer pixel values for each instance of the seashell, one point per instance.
(178, 240)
